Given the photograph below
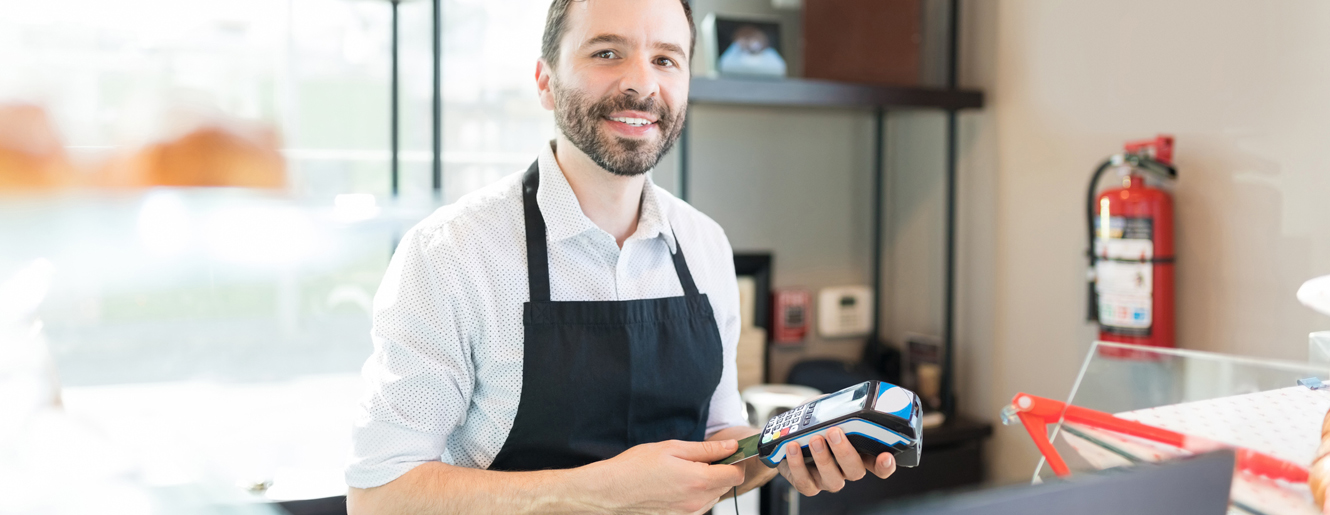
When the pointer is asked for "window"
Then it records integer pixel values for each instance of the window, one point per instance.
(214, 335)
(114, 75)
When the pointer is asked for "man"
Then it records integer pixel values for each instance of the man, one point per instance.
(564, 340)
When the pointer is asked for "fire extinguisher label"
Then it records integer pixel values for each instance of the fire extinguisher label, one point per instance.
(1125, 275)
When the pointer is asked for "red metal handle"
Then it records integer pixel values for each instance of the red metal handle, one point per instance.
(1161, 144)
(1037, 412)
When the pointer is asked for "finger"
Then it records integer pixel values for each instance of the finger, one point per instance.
(784, 471)
(724, 494)
(720, 486)
(724, 477)
(799, 477)
(851, 463)
(883, 466)
(827, 470)
(703, 452)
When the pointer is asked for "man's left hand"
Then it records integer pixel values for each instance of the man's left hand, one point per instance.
(835, 461)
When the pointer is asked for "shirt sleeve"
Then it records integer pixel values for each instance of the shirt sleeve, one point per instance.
(419, 378)
(727, 408)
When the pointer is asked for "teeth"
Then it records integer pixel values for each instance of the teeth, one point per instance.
(635, 122)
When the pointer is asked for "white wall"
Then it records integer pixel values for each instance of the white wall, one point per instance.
(795, 182)
(1243, 87)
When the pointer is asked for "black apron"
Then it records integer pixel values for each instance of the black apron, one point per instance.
(599, 377)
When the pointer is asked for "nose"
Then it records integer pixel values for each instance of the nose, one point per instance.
(639, 78)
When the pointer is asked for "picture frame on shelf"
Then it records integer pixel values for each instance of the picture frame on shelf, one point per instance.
(741, 46)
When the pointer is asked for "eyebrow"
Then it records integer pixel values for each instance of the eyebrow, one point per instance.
(606, 38)
(620, 40)
(670, 47)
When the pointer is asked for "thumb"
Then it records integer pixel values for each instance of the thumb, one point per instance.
(704, 452)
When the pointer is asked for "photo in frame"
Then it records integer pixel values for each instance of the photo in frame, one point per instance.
(742, 46)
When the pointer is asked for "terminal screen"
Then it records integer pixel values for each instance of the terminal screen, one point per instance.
(841, 403)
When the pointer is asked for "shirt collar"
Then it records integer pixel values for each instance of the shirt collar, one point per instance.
(563, 214)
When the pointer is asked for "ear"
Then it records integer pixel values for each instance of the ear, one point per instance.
(543, 72)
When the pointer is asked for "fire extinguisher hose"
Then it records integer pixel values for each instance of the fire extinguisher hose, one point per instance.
(1092, 299)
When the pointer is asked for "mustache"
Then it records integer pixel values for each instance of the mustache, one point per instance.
(613, 104)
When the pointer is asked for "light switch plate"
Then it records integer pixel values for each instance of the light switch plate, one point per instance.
(845, 311)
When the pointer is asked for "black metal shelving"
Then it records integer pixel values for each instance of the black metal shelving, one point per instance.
(793, 92)
(812, 93)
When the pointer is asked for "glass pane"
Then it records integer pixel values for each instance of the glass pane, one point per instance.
(334, 95)
(493, 122)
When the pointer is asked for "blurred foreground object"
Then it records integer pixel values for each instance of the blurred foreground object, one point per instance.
(208, 343)
(211, 155)
(31, 155)
(1315, 294)
(54, 463)
(27, 376)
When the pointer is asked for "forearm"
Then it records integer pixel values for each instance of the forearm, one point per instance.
(439, 488)
(755, 473)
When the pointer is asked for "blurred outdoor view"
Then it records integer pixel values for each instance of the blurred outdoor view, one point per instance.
(114, 75)
(195, 213)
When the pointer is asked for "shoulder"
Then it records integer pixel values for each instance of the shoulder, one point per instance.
(492, 211)
(688, 220)
(703, 240)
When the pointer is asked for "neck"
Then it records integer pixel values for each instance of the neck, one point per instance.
(612, 202)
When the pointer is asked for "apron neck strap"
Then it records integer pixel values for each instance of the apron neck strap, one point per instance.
(537, 254)
(681, 268)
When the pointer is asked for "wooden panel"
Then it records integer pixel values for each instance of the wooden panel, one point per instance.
(867, 41)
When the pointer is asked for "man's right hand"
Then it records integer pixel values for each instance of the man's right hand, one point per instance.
(664, 477)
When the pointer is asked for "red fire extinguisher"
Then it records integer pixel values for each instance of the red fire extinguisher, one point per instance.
(1131, 249)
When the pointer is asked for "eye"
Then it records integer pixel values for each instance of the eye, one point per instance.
(605, 54)
(666, 62)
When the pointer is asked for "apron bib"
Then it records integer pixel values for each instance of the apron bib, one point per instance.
(599, 377)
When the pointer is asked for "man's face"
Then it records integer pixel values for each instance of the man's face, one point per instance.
(620, 89)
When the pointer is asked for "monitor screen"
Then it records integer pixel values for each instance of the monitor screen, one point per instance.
(1197, 485)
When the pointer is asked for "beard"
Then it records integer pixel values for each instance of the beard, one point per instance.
(579, 117)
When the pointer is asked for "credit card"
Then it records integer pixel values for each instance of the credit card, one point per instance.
(747, 449)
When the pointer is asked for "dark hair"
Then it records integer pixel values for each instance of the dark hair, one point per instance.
(554, 25)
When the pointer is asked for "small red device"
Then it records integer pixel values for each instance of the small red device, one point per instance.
(793, 311)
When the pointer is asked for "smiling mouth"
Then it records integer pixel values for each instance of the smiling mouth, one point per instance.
(632, 122)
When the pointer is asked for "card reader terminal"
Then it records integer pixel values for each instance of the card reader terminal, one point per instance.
(876, 417)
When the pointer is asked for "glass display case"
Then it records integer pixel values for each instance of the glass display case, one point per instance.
(181, 350)
(1135, 405)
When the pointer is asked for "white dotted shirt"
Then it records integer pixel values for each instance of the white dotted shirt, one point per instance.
(445, 377)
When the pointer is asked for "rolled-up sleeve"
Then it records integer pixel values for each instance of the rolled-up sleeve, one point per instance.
(419, 378)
